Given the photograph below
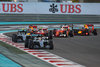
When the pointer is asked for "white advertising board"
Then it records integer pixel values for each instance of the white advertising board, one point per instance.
(49, 8)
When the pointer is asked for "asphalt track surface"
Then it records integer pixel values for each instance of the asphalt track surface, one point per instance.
(84, 50)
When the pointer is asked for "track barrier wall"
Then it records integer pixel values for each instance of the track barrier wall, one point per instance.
(49, 12)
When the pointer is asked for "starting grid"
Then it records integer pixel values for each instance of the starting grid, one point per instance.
(41, 54)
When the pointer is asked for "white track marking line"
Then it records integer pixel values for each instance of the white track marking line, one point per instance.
(42, 54)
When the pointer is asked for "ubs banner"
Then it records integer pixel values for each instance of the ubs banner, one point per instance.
(49, 8)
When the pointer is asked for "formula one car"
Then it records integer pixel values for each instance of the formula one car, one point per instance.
(43, 31)
(65, 31)
(38, 41)
(22, 33)
(81, 32)
(20, 36)
(86, 30)
(34, 30)
(91, 29)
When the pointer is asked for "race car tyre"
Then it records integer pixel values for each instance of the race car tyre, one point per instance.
(50, 34)
(59, 34)
(26, 43)
(67, 33)
(51, 45)
(94, 32)
(14, 38)
(54, 32)
(30, 44)
(71, 33)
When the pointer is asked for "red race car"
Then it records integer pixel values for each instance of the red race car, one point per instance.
(43, 31)
(65, 31)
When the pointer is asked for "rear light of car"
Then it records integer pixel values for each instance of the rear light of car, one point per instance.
(86, 33)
